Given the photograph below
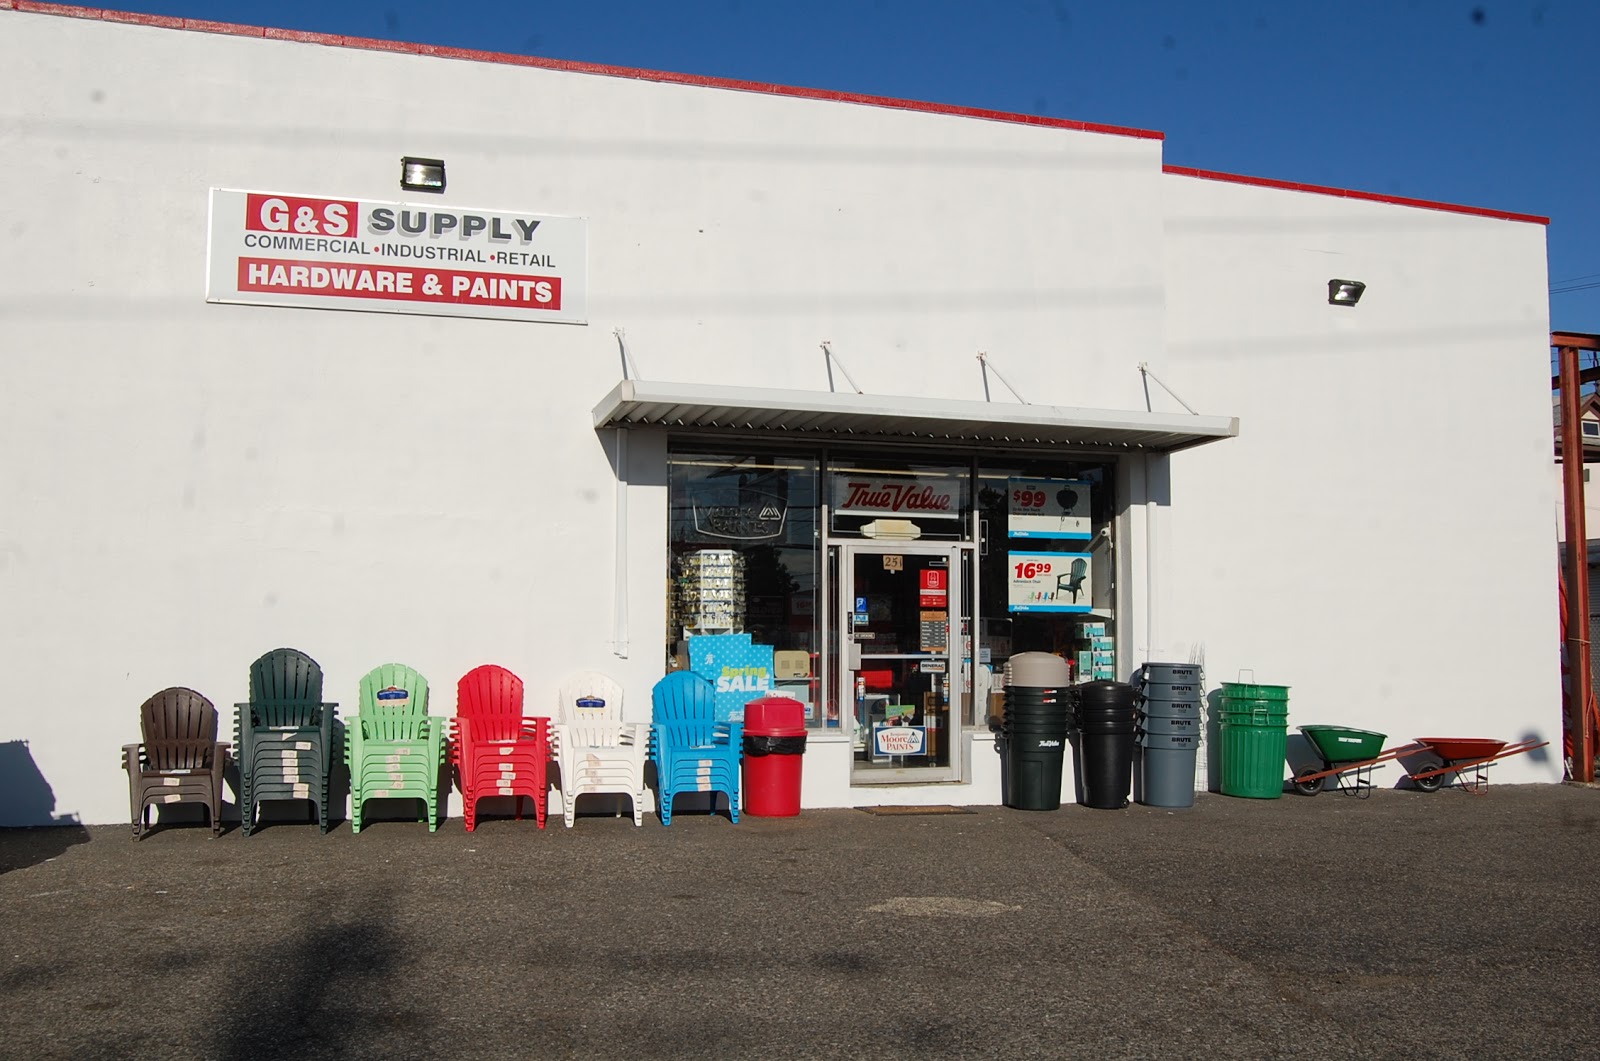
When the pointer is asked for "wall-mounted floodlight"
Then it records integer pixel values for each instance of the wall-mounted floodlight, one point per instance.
(422, 174)
(1345, 292)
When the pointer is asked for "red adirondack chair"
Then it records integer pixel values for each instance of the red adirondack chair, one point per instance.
(495, 750)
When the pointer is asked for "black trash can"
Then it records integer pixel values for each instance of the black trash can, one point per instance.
(1105, 720)
(1031, 770)
(1032, 745)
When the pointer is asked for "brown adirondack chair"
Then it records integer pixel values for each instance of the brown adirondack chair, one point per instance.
(180, 759)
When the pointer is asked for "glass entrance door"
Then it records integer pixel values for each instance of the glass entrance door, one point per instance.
(903, 659)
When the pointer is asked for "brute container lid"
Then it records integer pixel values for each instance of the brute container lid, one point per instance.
(1042, 669)
(775, 716)
(1104, 692)
(1170, 672)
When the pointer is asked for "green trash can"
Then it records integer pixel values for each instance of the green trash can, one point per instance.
(1255, 735)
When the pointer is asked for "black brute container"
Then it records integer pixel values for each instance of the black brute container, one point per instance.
(1032, 744)
(1106, 720)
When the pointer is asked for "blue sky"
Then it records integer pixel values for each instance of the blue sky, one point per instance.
(1483, 102)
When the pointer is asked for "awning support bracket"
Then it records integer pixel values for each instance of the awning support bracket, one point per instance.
(629, 369)
(830, 359)
(983, 360)
(1144, 370)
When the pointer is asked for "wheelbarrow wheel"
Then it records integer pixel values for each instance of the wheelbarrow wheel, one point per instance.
(1430, 784)
(1311, 786)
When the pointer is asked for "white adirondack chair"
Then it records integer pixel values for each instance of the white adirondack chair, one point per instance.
(596, 750)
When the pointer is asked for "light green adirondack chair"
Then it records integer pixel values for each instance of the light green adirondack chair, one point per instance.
(393, 747)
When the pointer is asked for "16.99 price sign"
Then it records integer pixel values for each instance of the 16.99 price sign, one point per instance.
(1049, 582)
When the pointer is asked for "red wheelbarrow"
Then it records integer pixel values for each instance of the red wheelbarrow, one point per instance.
(1468, 758)
(1348, 756)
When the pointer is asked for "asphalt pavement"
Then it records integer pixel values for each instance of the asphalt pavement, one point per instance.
(1407, 925)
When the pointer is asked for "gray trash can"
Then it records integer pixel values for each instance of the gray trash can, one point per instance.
(1166, 777)
(1170, 720)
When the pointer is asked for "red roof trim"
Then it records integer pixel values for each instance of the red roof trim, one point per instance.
(369, 44)
(1345, 193)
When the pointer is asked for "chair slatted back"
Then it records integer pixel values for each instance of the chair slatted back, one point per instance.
(685, 704)
(590, 685)
(179, 727)
(394, 703)
(491, 696)
(286, 690)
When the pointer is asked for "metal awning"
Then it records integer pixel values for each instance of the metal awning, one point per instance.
(820, 414)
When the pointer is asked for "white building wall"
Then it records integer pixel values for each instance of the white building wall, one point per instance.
(1379, 537)
(190, 485)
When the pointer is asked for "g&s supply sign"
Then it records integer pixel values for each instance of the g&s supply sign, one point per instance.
(270, 249)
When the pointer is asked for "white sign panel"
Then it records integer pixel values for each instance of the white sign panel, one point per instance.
(1049, 582)
(362, 254)
(869, 495)
(900, 740)
(1047, 508)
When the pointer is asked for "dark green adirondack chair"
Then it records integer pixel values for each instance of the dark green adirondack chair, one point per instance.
(285, 735)
(394, 748)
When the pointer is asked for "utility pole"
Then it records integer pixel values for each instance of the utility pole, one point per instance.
(1579, 672)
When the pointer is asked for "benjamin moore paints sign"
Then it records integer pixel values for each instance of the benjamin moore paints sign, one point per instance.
(270, 249)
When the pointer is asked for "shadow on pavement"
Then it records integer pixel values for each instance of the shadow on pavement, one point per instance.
(294, 1000)
(31, 831)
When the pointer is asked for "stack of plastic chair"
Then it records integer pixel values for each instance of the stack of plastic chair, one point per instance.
(393, 747)
(180, 759)
(494, 749)
(285, 735)
(596, 750)
(693, 752)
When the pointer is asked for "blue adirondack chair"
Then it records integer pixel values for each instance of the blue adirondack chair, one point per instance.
(693, 752)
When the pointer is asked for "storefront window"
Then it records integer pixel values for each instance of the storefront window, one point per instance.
(743, 560)
(898, 500)
(747, 565)
(1047, 556)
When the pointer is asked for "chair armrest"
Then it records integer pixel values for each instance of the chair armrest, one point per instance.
(132, 756)
(438, 739)
(242, 713)
(354, 738)
(326, 723)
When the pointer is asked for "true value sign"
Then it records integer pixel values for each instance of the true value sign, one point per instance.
(865, 495)
(271, 249)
